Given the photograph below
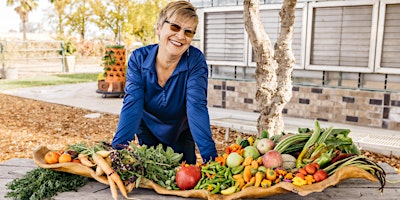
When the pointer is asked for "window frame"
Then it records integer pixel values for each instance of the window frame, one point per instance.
(202, 35)
(380, 36)
(374, 26)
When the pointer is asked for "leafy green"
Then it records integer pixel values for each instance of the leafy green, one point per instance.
(41, 183)
(155, 163)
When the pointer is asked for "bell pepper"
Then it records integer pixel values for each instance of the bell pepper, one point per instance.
(298, 181)
(265, 183)
(309, 179)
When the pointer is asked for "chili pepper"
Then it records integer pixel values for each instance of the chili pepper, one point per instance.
(254, 164)
(325, 158)
(289, 175)
(247, 173)
(210, 187)
(250, 183)
(259, 177)
(318, 151)
(208, 171)
(342, 156)
(237, 176)
(216, 189)
(216, 180)
(247, 160)
(227, 173)
(239, 183)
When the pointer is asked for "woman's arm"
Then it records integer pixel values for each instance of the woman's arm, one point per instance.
(132, 109)
(197, 111)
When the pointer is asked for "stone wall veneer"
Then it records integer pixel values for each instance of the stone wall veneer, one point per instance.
(357, 107)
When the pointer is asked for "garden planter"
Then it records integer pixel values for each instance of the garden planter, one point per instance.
(114, 70)
(11, 73)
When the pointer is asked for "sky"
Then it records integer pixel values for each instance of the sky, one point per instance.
(10, 19)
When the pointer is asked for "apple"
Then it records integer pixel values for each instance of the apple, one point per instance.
(251, 151)
(265, 145)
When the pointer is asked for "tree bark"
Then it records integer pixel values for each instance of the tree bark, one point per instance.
(273, 71)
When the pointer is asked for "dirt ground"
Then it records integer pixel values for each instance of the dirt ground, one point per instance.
(26, 124)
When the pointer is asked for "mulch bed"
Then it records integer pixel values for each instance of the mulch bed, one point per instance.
(26, 124)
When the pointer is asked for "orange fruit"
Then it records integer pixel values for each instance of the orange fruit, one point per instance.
(51, 157)
(64, 158)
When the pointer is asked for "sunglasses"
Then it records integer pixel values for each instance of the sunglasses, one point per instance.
(176, 28)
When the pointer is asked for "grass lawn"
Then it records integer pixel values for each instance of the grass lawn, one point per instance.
(57, 79)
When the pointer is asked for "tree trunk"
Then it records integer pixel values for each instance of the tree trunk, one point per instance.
(273, 72)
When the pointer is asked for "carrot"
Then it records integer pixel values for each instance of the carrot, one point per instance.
(113, 188)
(103, 153)
(99, 171)
(85, 160)
(99, 160)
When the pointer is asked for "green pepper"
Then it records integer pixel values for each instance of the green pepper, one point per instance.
(325, 158)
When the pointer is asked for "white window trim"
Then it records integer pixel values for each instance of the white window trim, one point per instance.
(379, 45)
(370, 68)
(298, 65)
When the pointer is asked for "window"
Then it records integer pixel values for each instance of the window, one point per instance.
(224, 38)
(340, 36)
(388, 58)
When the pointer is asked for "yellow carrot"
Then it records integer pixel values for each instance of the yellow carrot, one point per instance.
(99, 160)
(103, 153)
(99, 171)
(85, 160)
(113, 188)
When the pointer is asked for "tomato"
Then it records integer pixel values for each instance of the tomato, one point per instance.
(320, 175)
(310, 168)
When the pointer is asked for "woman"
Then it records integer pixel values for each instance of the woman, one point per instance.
(166, 89)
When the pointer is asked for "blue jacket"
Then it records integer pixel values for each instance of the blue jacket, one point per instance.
(171, 110)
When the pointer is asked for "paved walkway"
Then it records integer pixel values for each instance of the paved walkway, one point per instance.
(84, 96)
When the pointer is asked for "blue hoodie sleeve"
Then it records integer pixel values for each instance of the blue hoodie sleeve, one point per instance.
(132, 109)
(197, 112)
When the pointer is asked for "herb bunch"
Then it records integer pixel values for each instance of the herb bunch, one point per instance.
(41, 183)
(154, 163)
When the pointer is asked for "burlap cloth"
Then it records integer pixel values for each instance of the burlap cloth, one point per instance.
(250, 192)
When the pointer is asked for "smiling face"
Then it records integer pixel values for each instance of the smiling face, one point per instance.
(175, 43)
(175, 27)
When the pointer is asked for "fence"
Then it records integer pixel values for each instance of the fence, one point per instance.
(31, 57)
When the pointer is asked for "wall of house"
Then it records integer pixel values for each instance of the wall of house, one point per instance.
(348, 106)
